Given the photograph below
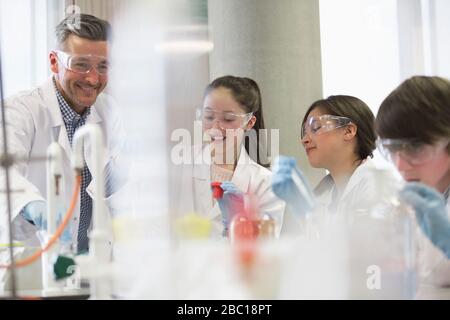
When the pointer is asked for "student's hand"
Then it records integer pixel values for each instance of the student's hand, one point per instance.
(290, 185)
(35, 212)
(431, 213)
(231, 202)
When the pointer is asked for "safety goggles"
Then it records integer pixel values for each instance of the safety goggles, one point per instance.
(83, 64)
(317, 125)
(410, 150)
(227, 120)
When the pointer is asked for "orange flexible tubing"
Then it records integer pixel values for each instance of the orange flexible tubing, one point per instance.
(35, 256)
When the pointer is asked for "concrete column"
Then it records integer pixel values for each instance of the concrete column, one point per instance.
(277, 43)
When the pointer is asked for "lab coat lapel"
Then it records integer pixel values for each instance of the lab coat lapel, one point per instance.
(356, 177)
(94, 118)
(51, 103)
(55, 120)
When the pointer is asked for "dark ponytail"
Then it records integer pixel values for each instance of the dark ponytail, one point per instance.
(359, 113)
(247, 93)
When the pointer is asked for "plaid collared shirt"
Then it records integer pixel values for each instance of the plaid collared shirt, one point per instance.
(73, 121)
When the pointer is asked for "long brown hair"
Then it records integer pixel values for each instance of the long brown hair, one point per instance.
(359, 113)
(247, 93)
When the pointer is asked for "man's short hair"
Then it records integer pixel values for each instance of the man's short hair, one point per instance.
(419, 108)
(85, 26)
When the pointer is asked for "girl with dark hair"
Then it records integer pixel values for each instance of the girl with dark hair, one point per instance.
(231, 112)
(338, 135)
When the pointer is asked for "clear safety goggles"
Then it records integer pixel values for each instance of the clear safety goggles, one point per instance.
(317, 125)
(410, 150)
(83, 63)
(227, 120)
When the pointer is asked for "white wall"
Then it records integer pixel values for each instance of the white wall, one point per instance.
(359, 43)
(440, 37)
(26, 35)
(370, 46)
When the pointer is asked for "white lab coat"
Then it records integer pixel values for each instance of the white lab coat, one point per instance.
(360, 192)
(196, 195)
(364, 190)
(34, 120)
